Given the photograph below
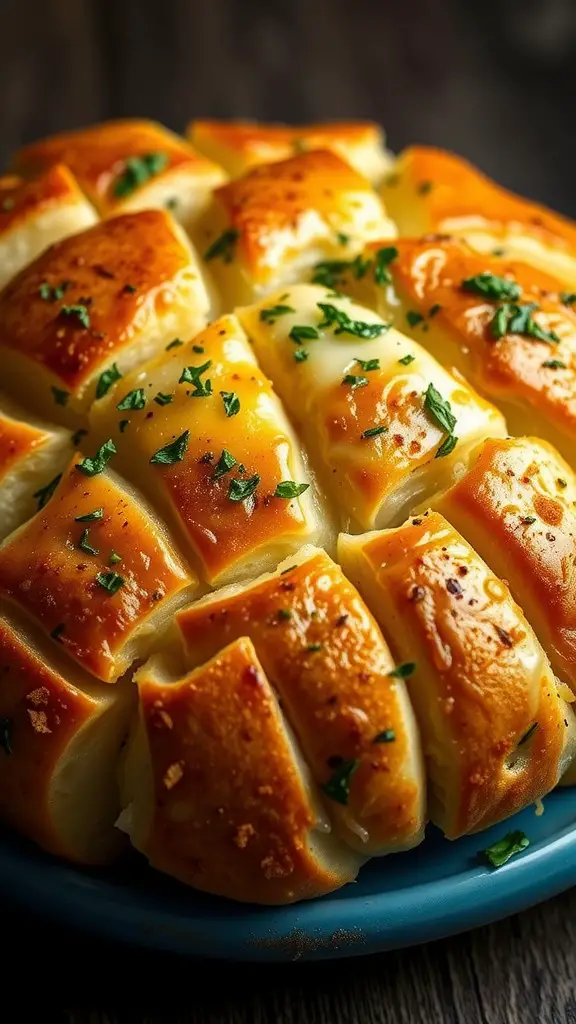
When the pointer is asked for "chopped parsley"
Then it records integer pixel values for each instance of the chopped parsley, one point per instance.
(137, 171)
(114, 558)
(175, 344)
(240, 490)
(270, 315)
(231, 403)
(290, 489)
(90, 517)
(173, 452)
(225, 463)
(434, 309)
(329, 272)
(382, 260)
(106, 380)
(162, 399)
(338, 786)
(199, 349)
(402, 671)
(122, 425)
(567, 298)
(511, 318)
(284, 613)
(192, 375)
(44, 494)
(369, 364)
(84, 545)
(224, 246)
(447, 447)
(300, 334)
(342, 239)
(373, 432)
(301, 355)
(110, 581)
(80, 312)
(491, 286)
(52, 294)
(91, 467)
(501, 852)
(414, 318)
(133, 400)
(424, 188)
(60, 397)
(6, 735)
(345, 325)
(554, 364)
(439, 409)
(77, 436)
(406, 360)
(354, 381)
(387, 736)
(314, 648)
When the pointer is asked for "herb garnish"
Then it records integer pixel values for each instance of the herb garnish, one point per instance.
(192, 375)
(567, 298)
(447, 447)
(133, 400)
(328, 272)
(60, 397)
(114, 558)
(106, 380)
(439, 409)
(162, 399)
(84, 545)
(402, 671)
(424, 187)
(357, 328)
(53, 294)
(240, 490)
(304, 333)
(511, 318)
(110, 581)
(406, 360)
(338, 786)
(314, 648)
(354, 381)
(199, 349)
(373, 432)
(80, 312)
(554, 364)
(173, 452)
(289, 489)
(501, 852)
(387, 736)
(225, 463)
(301, 355)
(382, 260)
(270, 315)
(174, 344)
(414, 318)
(44, 494)
(77, 436)
(90, 517)
(91, 467)
(231, 403)
(369, 364)
(491, 286)
(137, 171)
(224, 246)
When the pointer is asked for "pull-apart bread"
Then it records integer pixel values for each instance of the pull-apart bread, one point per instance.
(287, 501)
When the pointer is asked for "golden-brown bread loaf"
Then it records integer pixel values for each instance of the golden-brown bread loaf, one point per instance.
(431, 190)
(227, 435)
(60, 739)
(34, 214)
(217, 793)
(240, 145)
(266, 229)
(496, 734)
(97, 303)
(173, 422)
(359, 400)
(129, 165)
(509, 328)
(334, 674)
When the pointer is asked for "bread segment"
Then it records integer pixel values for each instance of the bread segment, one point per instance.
(266, 229)
(227, 436)
(215, 790)
(431, 190)
(241, 145)
(97, 303)
(60, 740)
(496, 735)
(96, 571)
(129, 165)
(323, 653)
(34, 214)
(517, 507)
(358, 400)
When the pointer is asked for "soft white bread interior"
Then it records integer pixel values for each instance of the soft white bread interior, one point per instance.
(496, 733)
(60, 739)
(215, 790)
(34, 214)
(327, 659)
(385, 424)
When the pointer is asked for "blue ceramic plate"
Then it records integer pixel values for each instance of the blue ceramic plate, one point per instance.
(436, 890)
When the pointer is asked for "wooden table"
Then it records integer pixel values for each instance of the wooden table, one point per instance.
(495, 80)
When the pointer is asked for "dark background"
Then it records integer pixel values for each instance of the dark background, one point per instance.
(494, 80)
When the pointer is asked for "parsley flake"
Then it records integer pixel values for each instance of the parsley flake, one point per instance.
(414, 318)
(240, 490)
(225, 463)
(290, 489)
(137, 171)
(439, 409)
(44, 494)
(386, 736)
(77, 436)
(53, 294)
(91, 467)
(192, 375)
(491, 286)
(110, 581)
(199, 349)
(304, 333)
(176, 344)
(501, 852)
(231, 403)
(403, 671)
(338, 786)
(133, 400)
(567, 298)
(554, 364)
(511, 318)
(114, 558)
(90, 517)
(447, 447)
(223, 247)
(106, 380)
(369, 364)
(162, 399)
(84, 545)
(345, 325)
(373, 432)
(172, 452)
(301, 355)
(354, 381)
(270, 315)
(60, 397)
(80, 312)
(382, 260)
(406, 360)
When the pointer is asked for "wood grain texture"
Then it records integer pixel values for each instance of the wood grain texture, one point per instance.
(494, 80)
